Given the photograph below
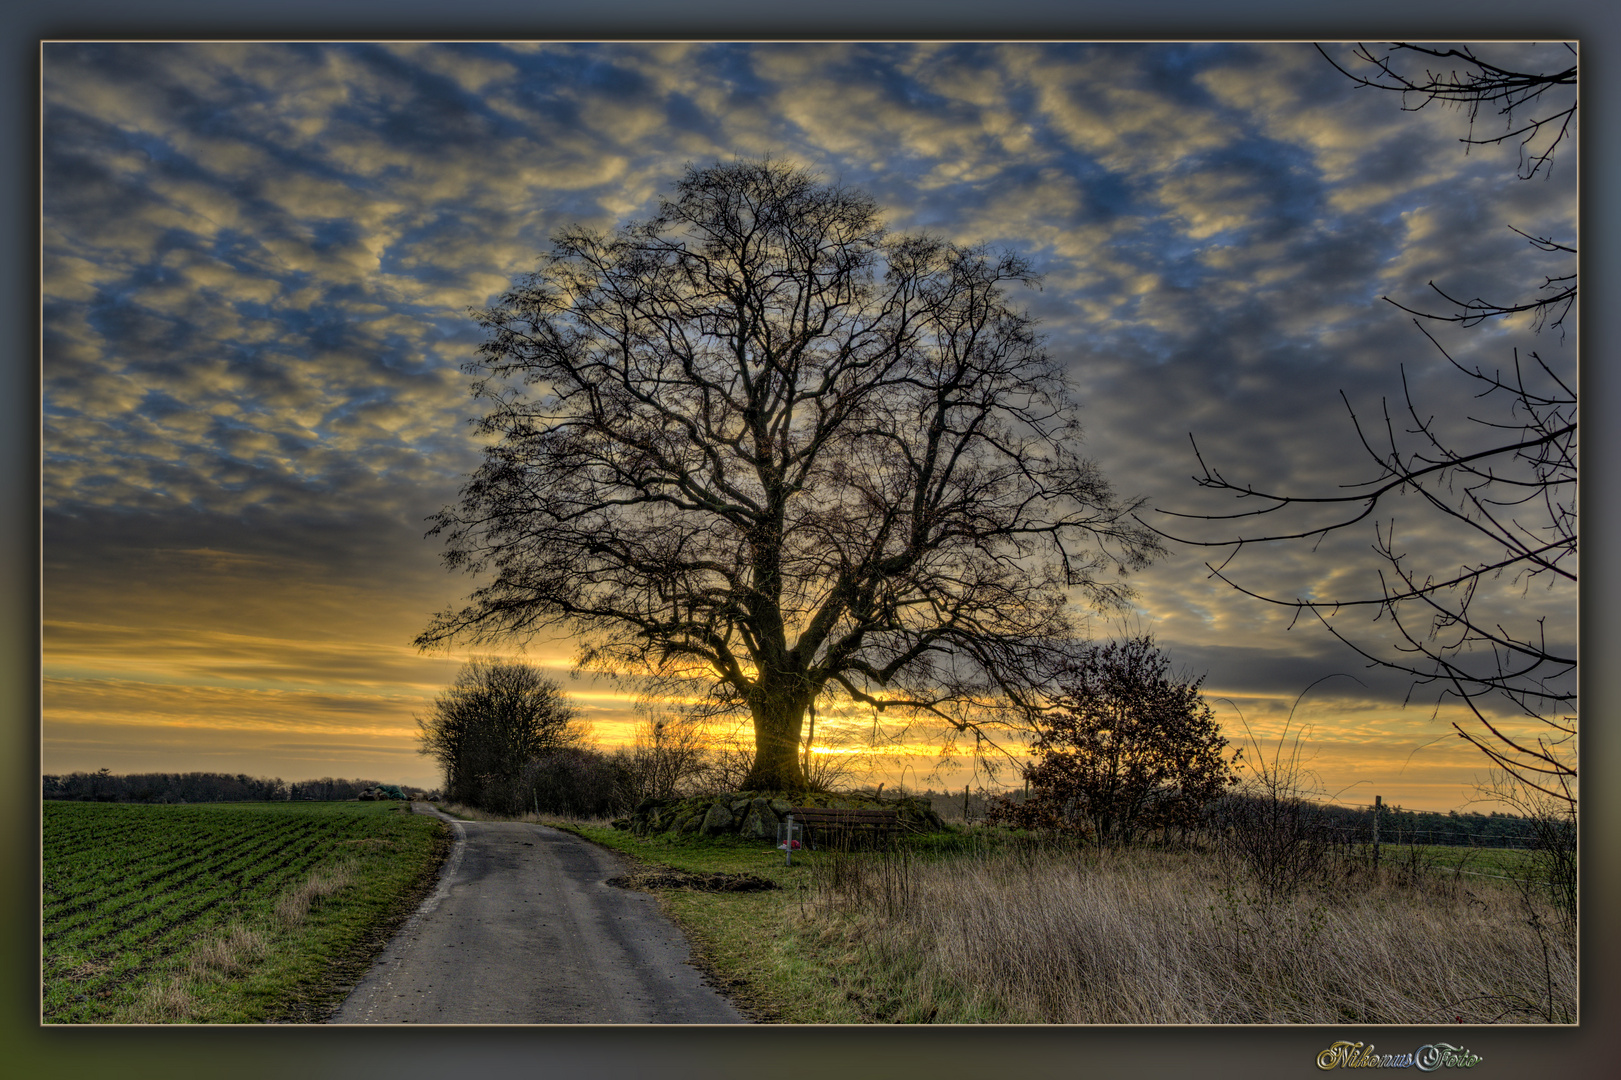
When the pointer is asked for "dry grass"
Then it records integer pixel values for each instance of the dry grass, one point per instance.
(166, 1001)
(229, 953)
(1157, 937)
(294, 905)
(174, 997)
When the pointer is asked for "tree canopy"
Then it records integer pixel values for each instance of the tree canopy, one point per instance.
(1129, 746)
(493, 722)
(758, 441)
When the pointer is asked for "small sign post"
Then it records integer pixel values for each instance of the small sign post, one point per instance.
(789, 837)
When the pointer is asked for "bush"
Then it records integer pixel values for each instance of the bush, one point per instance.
(575, 782)
(1269, 825)
(1128, 747)
(1551, 820)
(669, 761)
(1280, 837)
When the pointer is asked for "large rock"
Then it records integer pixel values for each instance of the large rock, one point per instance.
(718, 820)
(759, 823)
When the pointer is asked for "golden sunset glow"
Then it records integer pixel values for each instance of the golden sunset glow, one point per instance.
(259, 258)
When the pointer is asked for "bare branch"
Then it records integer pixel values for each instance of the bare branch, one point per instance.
(1511, 498)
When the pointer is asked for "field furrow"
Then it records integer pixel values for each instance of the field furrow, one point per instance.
(131, 892)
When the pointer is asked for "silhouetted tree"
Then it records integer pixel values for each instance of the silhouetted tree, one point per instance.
(1129, 746)
(756, 441)
(1474, 83)
(1508, 496)
(493, 722)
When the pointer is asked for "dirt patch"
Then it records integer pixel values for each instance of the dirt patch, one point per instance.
(664, 878)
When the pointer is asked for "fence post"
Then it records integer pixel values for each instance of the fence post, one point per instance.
(1378, 805)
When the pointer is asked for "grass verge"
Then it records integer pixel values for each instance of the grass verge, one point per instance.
(752, 945)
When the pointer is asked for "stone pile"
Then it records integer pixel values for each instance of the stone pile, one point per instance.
(755, 815)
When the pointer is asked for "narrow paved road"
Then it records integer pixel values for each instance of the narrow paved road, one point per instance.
(522, 929)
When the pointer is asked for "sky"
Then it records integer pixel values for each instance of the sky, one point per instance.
(259, 259)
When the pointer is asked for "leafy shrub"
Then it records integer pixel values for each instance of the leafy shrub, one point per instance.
(1129, 746)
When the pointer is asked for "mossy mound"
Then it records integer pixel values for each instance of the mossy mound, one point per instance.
(754, 815)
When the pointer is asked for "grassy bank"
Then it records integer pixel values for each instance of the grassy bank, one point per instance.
(226, 912)
(1469, 861)
(987, 928)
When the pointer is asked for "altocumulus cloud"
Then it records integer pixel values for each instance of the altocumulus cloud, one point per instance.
(259, 260)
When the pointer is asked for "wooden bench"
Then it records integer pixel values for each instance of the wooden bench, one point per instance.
(826, 822)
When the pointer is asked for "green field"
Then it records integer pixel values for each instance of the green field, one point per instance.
(222, 912)
(1443, 858)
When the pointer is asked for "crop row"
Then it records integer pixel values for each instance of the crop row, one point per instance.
(158, 869)
(121, 885)
(129, 889)
(99, 847)
(86, 882)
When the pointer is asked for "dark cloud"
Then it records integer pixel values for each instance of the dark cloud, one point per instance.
(258, 261)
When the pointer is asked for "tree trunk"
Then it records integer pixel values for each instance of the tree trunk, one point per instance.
(777, 723)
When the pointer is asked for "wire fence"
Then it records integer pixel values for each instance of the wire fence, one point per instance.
(1392, 834)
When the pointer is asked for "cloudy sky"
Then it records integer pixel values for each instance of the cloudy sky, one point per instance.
(259, 260)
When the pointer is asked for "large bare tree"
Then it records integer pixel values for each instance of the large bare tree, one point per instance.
(1504, 492)
(757, 441)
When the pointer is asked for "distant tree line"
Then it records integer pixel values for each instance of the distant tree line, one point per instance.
(1398, 826)
(1347, 824)
(201, 787)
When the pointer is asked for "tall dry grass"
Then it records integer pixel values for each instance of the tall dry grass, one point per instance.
(179, 996)
(1155, 937)
(293, 906)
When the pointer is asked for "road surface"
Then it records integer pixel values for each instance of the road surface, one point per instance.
(522, 929)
